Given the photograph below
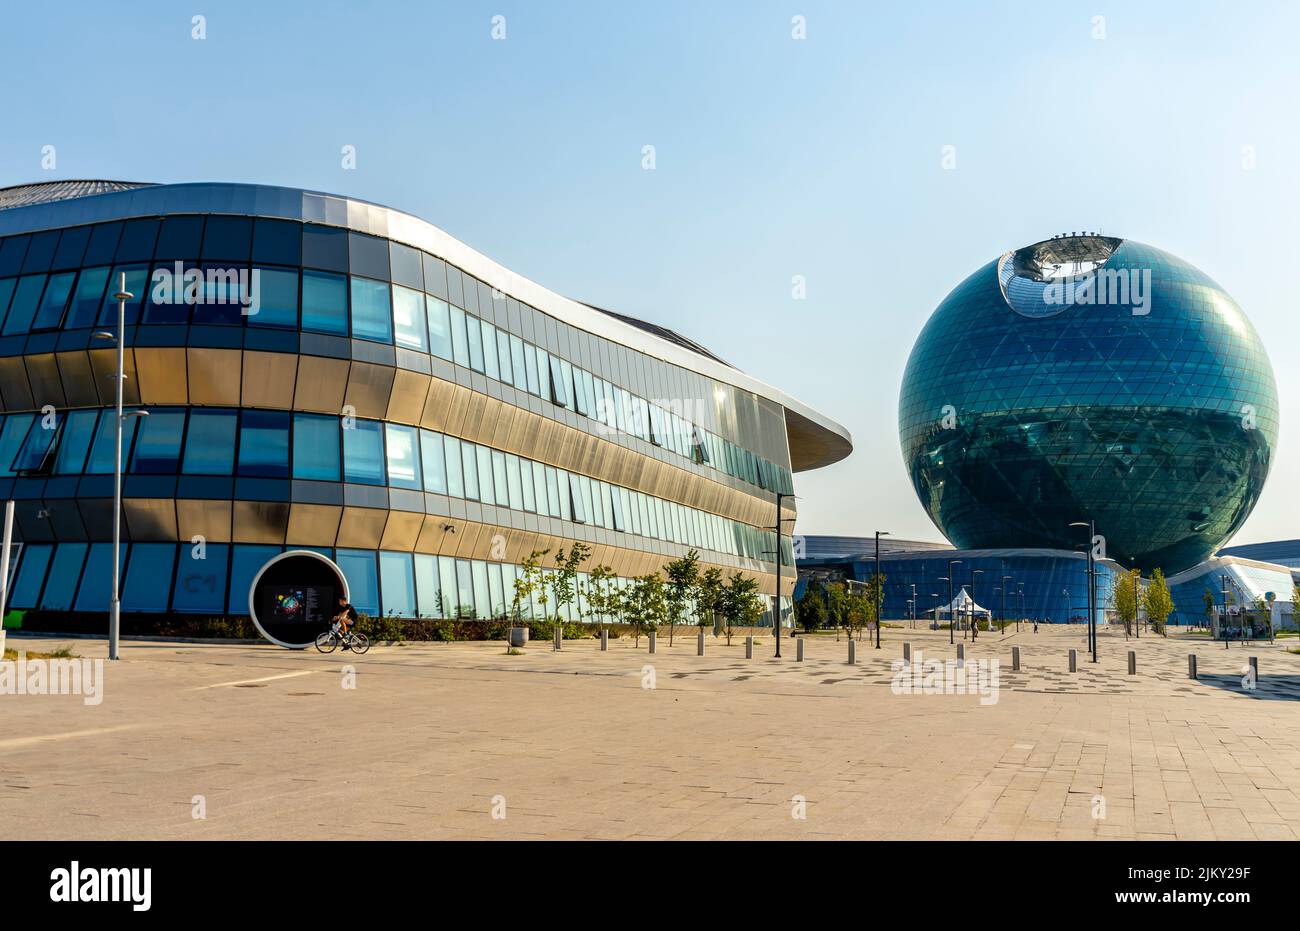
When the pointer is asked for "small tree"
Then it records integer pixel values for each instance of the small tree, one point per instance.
(1158, 602)
(1126, 597)
(565, 574)
(1210, 607)
(644, 604)
(601, 594)
(874, 597)
(683, 578)
(837, 607)
(740, 606)
(709, 595)
(811, 610)
(526, 582)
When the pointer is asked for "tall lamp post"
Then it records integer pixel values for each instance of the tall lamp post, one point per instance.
(115, 606)
(776, 602)
(880, 586)
(1092, 594)
(973, 573)
(1020, 590)
(1005, 580)
(913, 606)
(935, 596)
(952, 619)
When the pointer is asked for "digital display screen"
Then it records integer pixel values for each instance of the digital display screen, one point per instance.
(301, 604)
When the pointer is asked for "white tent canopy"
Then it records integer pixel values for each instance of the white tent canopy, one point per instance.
(962, 604)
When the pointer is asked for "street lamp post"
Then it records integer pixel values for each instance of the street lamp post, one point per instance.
(880, 586)
(1020, 590)
(973, 573)
(1092, 594)
(914, 606)
(776, 602)
(1005, 580)
(951, 613)
(115, 606)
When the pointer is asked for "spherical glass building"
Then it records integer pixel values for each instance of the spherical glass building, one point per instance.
(1089, 378)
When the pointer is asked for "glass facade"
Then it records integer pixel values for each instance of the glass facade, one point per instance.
(310, 386)
(1133, 392)
(1051, 586)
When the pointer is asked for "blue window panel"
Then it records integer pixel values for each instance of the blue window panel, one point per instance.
(223, 296)
(517, 367)
(368, 256)
(503, 355)
(405, 263)
(483, 606)
(96, 586)
(167, 300)
(500, 488)
(138, 239)
(86, 298)
(464, 606)
(409, 319)
(427, 586)
(455, 482)
(359, 569)
(372, 317)
(363, 453)
(158, 446)
(474, 334)
(137, 283)
(403, 457)
(201, 583)
(439, 317)
(324, 303)
(490, 366)
(316, 447)
(447, 598)
(101, 450)
(31, 575)
(529, 500)
(228, 239)
(277, 241)
(459, 339)
(50, 313)
(469, 466)
(264, 444)
(245, 562)
(277, 298)
(22, 308)
(75, 442)
(146, 569)
(435, 275)
(500, 603)
(543, 374)
(65, 572)
(6, 292)
(433, 459)
(72, 246)
(36, 447)
(324, 247)
(397, 583)
(485, 481)
(210, 442)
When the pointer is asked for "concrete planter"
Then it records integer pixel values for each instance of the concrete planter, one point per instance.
(518, 636)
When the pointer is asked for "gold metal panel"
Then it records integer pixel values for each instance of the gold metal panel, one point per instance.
(321, 384)
(103, 363)
(204, 518)
(313, 524)
(161, 374)
(437, 405)
(430, 534)
(369, 386)
(150, 519)
(361, 527)
(214, 376)
(78, 379)
(269, 378)
(14, 387)
(43, 376)
(406, 401)
(260, 521)
(401, 531)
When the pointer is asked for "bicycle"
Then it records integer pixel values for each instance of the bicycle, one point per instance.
(328, 641)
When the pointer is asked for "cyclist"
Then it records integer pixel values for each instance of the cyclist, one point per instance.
(346, 617)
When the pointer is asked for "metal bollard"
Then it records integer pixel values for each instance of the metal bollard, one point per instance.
(749, 648)
(961, 655)
(604, 640)
(559, 635)
(853, 653)
(699, 643)
(907, 652)
(1191, 665)
(1074, 661)
(798, 651)
(1015, 659)
(1132, 663)
(650, 638)
(1254, 668)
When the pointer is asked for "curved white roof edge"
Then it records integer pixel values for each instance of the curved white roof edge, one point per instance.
(364, 217)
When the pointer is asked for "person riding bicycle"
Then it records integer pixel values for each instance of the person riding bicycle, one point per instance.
(346, 617)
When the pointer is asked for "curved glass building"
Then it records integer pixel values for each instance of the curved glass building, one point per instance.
(323, 373)
(1089, 378)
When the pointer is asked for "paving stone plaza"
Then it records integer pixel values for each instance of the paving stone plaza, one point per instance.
(206, 741)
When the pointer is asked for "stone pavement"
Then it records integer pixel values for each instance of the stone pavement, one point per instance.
(436, 738)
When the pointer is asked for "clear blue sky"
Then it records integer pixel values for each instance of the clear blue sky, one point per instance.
(775, 158)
